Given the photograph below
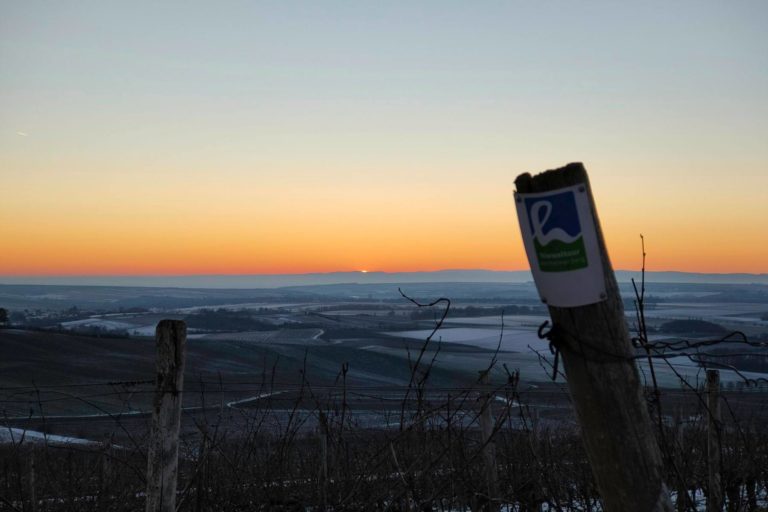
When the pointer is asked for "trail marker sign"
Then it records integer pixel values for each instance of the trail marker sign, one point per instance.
(558, 229)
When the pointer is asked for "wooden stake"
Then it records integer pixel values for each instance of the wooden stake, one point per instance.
(322, 438)
(715, 493)
(605, 389)
(535, 422)
(679, 455)
(106, 467)
(489, 448)
(32, 493)
(163, 455)
(202, 469)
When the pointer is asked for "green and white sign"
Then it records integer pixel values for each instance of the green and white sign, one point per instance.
(560, 240)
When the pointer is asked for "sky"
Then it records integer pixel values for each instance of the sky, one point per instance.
(145, 138)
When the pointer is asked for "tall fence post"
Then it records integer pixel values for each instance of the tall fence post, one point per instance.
(322, 439)
(32, 492)
(535, 422)
(202, 469)
(594, 344)
(105, 476)
(714, 491)
(679, 456)
(163, 454)
(489, 446)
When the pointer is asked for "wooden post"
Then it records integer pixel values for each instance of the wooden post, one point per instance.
(106, 467)
(752, 471)
(715, 493)
(605, 389)
(535, 422)
(322, 438)
(489, 448)
(679, 457)
(163, 455)
(202, 469)
(32, 493)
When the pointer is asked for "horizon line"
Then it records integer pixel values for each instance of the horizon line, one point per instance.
(333, 272)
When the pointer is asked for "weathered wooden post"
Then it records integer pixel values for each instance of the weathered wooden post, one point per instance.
(163, 454)
(32, 493)
(322, 439)
(679, 454)
(106, 468)
(533, 413)
(489, 446)
(202, 469)
(575, 278)
(752, 472)
(714, 492)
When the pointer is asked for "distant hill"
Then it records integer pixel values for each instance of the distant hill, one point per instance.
(281, 280)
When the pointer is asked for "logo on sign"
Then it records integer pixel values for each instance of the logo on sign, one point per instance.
(556, 231)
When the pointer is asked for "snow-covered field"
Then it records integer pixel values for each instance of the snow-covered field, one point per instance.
(515, 340)
(10, 435)
(135, 329)
(509, 320)
(282, 336)
(522, 340)
(112, 325)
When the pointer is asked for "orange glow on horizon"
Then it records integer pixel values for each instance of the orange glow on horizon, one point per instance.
(241, 238)
(170, 224)
(245, 259)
